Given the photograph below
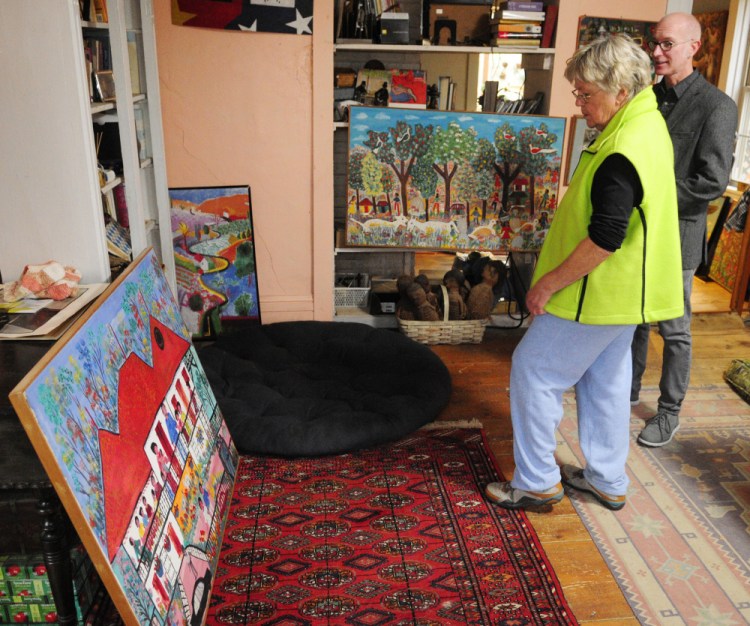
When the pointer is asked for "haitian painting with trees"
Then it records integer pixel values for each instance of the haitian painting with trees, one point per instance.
(127, 427)
(448, 180)
(214, 257)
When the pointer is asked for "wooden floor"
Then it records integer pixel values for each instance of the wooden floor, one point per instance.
(480, 379)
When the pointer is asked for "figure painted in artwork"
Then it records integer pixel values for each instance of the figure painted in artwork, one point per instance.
(381, 96)
(360, 92)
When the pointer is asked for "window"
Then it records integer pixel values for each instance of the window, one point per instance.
(738, 86)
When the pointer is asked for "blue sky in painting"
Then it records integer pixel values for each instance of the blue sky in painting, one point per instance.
(381, 119)
(197, 195)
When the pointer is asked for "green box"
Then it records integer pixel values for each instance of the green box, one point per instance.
(29, 588)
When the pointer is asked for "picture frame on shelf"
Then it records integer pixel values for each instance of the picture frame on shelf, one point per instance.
(104, 82)
(590, 27)
(580, 137)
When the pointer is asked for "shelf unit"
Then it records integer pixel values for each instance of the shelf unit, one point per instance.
(52, 180)
(538, 65)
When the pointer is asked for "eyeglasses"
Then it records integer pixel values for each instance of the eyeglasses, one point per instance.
(666, 45)
(584, 97)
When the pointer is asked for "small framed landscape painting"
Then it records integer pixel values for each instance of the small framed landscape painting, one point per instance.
(448, 180)
(214, 253)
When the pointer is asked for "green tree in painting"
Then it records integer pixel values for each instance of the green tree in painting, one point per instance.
(355, 174)
(424, 179)
(244, 262)
(538, 143)
(451, 146)
(464, 187)
(401, 148)
(510, 159)
(483, 165)
(372, 177)
(243, 305)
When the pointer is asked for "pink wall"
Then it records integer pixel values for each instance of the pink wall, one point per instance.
(256, 109)
(238, 109)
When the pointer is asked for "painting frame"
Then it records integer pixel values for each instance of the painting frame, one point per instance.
(451, 180)
(590, 27)
(105, 86)
(580, 136)
(215, 263)
(115, 391)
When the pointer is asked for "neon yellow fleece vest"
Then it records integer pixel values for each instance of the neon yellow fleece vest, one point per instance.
(642, 281)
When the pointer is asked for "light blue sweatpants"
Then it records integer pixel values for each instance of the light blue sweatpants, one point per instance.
(555, 355)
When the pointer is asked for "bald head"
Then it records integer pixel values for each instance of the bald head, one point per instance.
(683, 31)
(684, 23)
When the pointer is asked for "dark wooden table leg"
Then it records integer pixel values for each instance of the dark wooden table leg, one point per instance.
(57, 557)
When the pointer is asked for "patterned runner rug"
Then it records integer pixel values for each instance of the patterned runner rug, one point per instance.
(680, 549)
(397, 534)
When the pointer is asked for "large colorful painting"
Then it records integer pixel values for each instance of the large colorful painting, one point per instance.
(447, 180)
(123, 419)
(269, 16)
(214, 255)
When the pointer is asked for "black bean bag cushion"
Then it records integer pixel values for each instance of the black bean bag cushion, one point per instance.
(315, 388)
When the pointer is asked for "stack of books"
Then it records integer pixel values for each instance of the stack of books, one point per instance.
(518, 23)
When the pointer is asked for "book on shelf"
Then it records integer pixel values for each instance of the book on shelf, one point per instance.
(531, 16)
(505, 35)
(520, 5)
(121, 205)
(408, 89)
(550, 21)
(444, 93)
(512, 43)
(100, 11)
(517, 27)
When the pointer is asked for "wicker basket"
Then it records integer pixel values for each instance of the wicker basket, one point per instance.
(454, 331)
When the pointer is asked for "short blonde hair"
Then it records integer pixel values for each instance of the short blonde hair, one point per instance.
(611, 62)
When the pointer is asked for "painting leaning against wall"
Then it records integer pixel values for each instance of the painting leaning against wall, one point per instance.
(214, 251)
(126, 425)
(446, 180)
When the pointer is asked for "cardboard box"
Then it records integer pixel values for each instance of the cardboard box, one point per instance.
(393, 28)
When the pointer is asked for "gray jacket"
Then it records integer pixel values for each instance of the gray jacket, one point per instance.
(702, 124)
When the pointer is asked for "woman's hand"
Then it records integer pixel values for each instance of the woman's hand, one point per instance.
(538, 296)
(584, 259)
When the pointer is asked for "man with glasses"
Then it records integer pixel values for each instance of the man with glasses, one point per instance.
(702, 121)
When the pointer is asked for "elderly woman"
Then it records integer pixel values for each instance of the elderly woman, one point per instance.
(611, 260)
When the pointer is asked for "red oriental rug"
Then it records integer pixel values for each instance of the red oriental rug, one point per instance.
(396, 534)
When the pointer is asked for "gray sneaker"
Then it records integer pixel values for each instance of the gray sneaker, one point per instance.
(659, 430)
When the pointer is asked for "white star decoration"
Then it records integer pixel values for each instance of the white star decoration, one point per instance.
(253, 27)
(301, 24)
